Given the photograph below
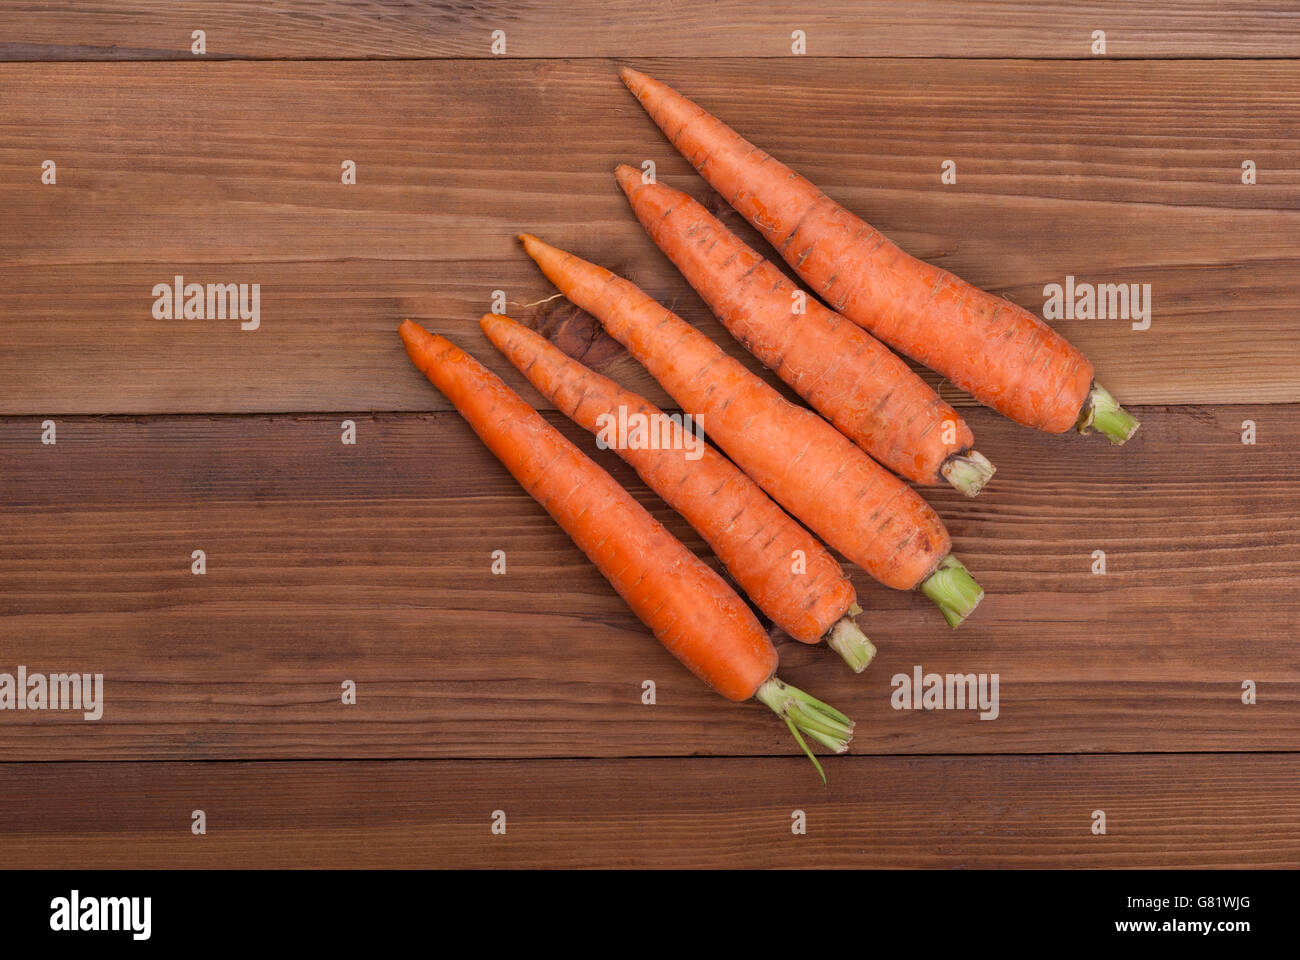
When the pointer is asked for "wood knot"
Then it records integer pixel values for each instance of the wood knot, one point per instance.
(575, 331)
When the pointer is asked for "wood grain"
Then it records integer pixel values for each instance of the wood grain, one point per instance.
(228, 172)
(522, 692)
(289, 29)
(372, 563)
(897, 812)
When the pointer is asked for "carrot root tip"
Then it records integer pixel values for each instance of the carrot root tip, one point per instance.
(1103, 413)
(953, 590)
(846, 639)
(968, 472)
(805, 714)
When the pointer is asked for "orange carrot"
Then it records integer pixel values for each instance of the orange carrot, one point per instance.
(787, 572)
(690, 608)
(809, 467)
(856, 382)
(997, 351)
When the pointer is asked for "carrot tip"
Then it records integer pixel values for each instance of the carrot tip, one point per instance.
(969, 472)
(851, 643)
(1103, 412)
(410, 331)
(953, 590)
(628, 178)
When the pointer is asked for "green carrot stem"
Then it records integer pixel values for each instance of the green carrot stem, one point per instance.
(826, 740)
(1103, 412)
(804, 746)
(968, 471)
(824, 708)
(851, 643)
(953, 590)
(810, 722)
(805, 714)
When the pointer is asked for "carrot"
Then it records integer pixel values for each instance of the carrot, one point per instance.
(856, 382)
(809, 467)
(690, 608)
(787, 572)
(997, 351)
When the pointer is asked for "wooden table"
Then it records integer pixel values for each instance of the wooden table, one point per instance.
(328, 562)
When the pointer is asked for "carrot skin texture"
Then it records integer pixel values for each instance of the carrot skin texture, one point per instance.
(1000, 353)
(853, 379)
(752, 536)
(690, 609)
(814, 471)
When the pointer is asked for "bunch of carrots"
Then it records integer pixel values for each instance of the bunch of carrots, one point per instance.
(791, 478)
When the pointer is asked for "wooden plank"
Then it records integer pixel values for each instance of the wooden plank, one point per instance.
(161, 29)
(371, 563)
(229, 172)
(898, 812)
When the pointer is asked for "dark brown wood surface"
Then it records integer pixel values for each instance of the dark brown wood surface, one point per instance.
(1125, 172)
(295, 29)
(898, 812)
(370, 562)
